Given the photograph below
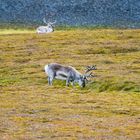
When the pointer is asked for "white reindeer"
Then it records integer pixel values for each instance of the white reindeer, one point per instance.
(68, 73)
(46, 29)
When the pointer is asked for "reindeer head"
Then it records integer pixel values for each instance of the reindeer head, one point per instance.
(87, 76)
(50, 24)
(83, 79)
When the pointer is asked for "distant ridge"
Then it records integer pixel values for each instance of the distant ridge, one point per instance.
(120, 13)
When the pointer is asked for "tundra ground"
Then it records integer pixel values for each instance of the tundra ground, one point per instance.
(107, 109)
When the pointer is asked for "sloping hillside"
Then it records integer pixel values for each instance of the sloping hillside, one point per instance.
(120, 13)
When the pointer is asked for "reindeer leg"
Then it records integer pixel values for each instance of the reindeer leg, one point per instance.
(73, 83)
(67, 81)
(50, 80)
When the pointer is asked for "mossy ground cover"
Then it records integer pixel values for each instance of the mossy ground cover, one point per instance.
(108, 108)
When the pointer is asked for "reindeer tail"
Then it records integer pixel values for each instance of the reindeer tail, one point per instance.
(46, 68)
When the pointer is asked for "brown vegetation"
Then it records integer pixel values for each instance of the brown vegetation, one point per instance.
(108, 108)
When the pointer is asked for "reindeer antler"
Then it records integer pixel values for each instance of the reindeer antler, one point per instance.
(89, 75)
(89, 68)
(52, 22)
(44, 20)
